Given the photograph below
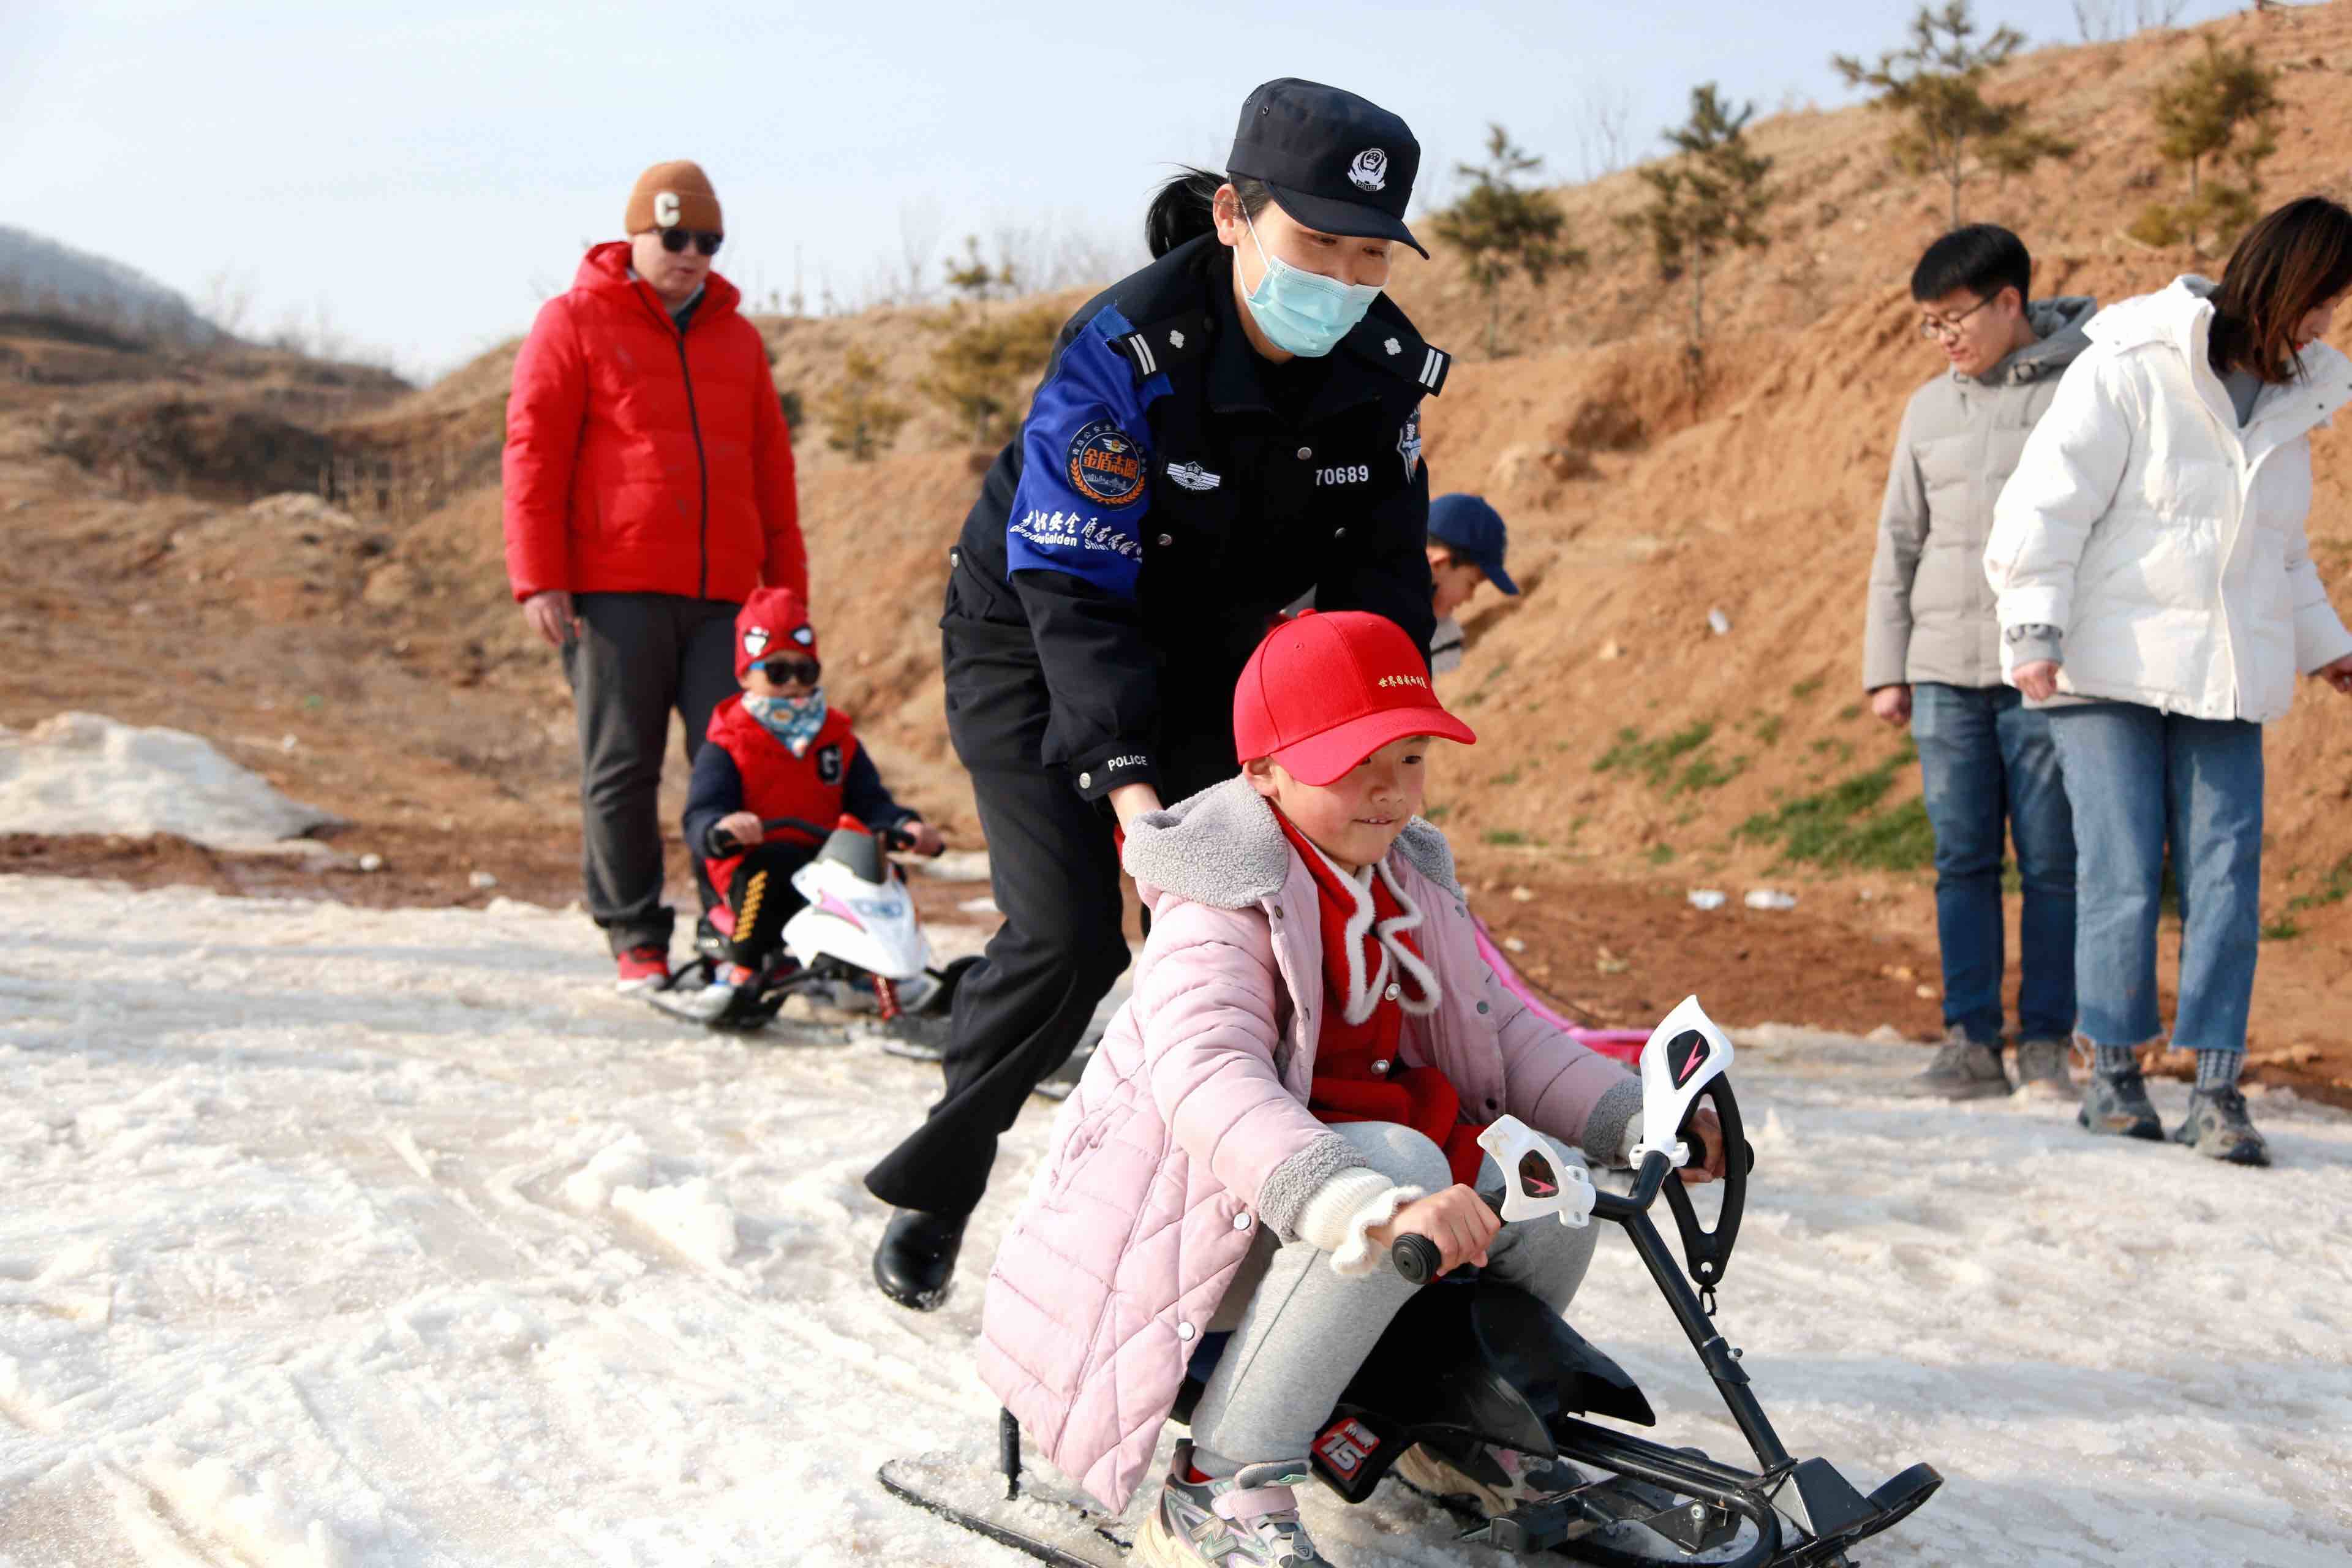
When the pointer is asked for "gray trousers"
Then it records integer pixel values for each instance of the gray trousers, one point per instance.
(638, 657)
(1302, 1330)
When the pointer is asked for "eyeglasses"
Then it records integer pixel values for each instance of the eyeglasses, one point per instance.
(1943, 327)
(784, 671)
(673, 240)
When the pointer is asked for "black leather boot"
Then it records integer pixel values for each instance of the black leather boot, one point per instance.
(915, 1262)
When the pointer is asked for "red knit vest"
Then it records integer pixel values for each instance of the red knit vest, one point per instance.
(1357, 1075)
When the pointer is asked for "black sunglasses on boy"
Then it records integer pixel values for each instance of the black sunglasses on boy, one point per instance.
(673, 240)
(784, 671)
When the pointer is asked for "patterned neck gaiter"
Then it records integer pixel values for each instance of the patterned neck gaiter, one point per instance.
(795, 721)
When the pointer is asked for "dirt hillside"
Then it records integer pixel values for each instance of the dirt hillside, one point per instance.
(1628, 752)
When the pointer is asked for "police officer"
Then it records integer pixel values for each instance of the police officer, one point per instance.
(1234, 425)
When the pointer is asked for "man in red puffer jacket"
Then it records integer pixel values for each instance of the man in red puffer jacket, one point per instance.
(648, 492)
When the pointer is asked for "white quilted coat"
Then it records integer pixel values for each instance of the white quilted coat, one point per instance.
(2165, 542)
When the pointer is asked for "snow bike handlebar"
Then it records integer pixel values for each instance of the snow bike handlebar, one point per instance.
(1705, 1250)
(894, 839)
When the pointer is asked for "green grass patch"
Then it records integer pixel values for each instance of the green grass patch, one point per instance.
(1660, 854)
(1654, 761)
(1505, 837)
(1804, 689)
(1706, 773)
(2334, 888)
(1767, 728)
(2283, 928)
(1505, 781)
(1849, 713)
(1845, 824)
(1437, 813)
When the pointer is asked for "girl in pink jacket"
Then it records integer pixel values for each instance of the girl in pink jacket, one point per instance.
(1311, 1049)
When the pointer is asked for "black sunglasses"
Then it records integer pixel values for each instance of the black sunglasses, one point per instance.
(673, 240)
(784, 671)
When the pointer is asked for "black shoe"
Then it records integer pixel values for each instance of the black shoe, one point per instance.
(915, 1262)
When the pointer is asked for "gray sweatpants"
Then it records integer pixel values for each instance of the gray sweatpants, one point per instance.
(638, 656)
(1302, 1330)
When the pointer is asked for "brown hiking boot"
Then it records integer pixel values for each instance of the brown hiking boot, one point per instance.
(2042, 1071)
(1962, 1069)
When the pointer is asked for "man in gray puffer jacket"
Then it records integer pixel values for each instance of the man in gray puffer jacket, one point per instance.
(1931, 654)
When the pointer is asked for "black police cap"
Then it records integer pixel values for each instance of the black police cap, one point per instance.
(1334, 162)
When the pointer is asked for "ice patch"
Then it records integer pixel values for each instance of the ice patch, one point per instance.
(84, 772)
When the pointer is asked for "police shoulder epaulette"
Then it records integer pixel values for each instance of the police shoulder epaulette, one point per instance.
(1153, 349)
(1400, 352)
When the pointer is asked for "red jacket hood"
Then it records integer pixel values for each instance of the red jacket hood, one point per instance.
(605, 271)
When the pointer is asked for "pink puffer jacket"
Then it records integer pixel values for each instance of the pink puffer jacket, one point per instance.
(1189, 1127)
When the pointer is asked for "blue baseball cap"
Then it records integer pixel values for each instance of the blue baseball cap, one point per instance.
(1473, 531)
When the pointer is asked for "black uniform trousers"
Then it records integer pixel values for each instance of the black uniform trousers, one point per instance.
(762, 897)
(638, 657)
(1053, 867)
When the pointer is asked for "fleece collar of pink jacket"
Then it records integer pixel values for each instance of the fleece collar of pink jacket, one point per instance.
(1225, 846)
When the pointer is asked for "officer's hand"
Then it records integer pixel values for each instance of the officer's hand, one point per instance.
(1132, 801)
(924, 838)
(1892, 703)
(2337, 674)
(551, 616)
(743, 827)
(2038, 679)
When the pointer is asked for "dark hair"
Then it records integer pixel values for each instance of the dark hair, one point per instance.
(1181, 208)
(1983, 258)
(2292, 262)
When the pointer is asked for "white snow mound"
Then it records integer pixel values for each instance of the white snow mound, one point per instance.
(84, 772)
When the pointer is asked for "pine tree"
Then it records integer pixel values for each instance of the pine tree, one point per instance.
(984, 371)
(974, 279)
(858, 419)
(1708, 200)
(1938, 82)
(1501, 228)
(2223, 104)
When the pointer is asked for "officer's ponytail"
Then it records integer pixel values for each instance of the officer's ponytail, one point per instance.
(1183, 208)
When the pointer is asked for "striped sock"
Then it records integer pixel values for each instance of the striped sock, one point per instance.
(2219, 1070)
(2114, 1061)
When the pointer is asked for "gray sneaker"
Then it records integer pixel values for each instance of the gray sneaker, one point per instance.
(2119, 1107)
(1249, 1521)
(1498, 1479)
(2216, 1127)
(2042, 1071)
(1962, 1070)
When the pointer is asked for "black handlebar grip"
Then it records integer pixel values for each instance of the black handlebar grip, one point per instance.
(1417, 1259)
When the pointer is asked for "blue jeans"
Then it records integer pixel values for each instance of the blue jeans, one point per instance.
(2141, 779)
(1986, 761)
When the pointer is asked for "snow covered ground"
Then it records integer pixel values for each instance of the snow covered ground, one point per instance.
(84, 772)
(337, 1237)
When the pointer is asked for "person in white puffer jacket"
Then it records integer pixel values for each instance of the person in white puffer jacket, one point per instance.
(2156, 590)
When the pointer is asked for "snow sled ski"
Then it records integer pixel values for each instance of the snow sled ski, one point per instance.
(1470, 1362)
(855, 944)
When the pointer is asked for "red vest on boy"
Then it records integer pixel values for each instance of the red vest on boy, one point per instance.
(775, 782)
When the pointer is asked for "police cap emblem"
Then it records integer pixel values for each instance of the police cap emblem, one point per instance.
(1370, 172)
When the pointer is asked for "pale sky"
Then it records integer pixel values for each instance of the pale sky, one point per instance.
(427, 172)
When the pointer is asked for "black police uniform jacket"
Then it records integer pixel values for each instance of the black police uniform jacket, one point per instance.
(1169, 492)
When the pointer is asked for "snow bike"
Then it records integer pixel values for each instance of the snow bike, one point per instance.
(857, 940)
(1470, 1362)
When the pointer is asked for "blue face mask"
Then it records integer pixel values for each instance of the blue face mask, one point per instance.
(795, 721)
(1304, 312)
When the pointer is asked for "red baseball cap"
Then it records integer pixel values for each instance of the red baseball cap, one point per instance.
(1324, 691)
(772, 622)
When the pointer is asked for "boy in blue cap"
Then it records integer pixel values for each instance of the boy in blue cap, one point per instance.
(1465, 548)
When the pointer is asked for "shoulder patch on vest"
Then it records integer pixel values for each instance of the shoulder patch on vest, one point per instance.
(1152, 350)
(1400, 352)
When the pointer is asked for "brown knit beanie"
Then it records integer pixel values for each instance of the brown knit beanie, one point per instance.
(673, 196)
